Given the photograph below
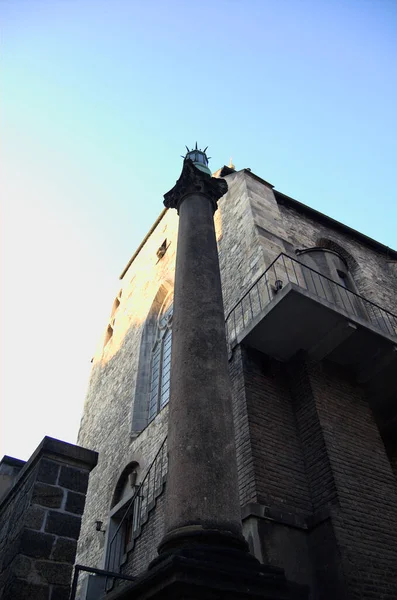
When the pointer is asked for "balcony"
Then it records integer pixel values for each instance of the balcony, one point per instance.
(292, 307)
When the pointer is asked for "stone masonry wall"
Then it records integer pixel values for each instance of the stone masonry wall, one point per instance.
(106, 421)
(252, 228)
(374, 273)
(106, 425)
(241, 255)
(40, 522)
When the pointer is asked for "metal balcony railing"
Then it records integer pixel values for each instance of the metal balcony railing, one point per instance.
(285, 269)
(137, 511)
(100, 573)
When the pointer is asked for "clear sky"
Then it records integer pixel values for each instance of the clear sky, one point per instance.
(98, 100)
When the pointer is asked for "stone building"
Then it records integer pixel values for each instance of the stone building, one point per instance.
(310, 309)
(41, 503)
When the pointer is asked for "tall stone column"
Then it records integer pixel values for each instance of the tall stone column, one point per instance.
(202, 488)
(203, 555)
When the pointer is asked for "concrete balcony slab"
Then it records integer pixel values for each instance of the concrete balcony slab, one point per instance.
(297, 319)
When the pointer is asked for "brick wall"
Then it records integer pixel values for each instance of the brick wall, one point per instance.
(276, 447)
(40, 522)
(91, 547)
(145, 549)
(245, 460)
(318, 493)
(354, 479)
(274, 492)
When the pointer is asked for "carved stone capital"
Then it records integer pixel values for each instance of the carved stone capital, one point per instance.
(194, 181)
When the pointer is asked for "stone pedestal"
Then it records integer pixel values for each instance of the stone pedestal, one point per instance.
(210, 573)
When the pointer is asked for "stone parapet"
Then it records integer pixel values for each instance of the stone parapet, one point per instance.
(40, 518)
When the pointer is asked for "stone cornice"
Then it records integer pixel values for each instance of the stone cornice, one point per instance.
(194, 181)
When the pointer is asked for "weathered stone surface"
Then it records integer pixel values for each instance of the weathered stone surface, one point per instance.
(53, 573)
(64, 550)
(36, 543)
(73, 479)
(35, 517)
(200, 435)
(28, 555)
(48, 471)
(75, 503)
(47, 495)
(192, 180)
(114, 374)
(21, 566)
(22, 590)
(63, 524)
(60, 593)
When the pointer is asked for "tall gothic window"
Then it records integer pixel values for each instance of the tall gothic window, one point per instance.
(161, 360)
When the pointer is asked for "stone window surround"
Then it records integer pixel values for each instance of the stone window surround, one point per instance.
(140, 407)
(335, 264)
(120, 501)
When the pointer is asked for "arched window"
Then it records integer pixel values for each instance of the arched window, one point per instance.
(121, 518)
(160, 366)
(334, 263)
(152, 382)
(328, 262)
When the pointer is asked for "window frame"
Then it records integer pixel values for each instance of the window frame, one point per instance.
(161, 353)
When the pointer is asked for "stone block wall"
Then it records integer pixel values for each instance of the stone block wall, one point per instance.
(290, 488)
(40, 522)
(373, 271)
(107, 421)
(241, 256)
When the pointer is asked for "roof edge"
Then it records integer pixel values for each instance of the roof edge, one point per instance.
(284, 199)
(287, 200)
(143, 242)
(281, 199)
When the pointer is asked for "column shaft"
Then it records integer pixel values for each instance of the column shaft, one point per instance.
(202, 486)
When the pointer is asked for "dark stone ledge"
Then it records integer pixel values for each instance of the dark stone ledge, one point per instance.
(52, 450)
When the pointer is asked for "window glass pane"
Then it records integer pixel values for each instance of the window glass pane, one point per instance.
(161, 362)
(166, 369)
(154, 382)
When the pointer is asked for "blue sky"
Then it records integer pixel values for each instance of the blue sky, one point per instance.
(99, 99)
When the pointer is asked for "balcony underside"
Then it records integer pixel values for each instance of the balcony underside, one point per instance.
(296, 319)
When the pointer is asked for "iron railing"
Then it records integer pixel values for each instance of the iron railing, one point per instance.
(137, 511)
(285, 269)
(98, 572)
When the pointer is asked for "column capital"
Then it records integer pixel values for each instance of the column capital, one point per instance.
(194, 181)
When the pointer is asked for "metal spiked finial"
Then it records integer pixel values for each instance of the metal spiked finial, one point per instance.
(199, 158)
